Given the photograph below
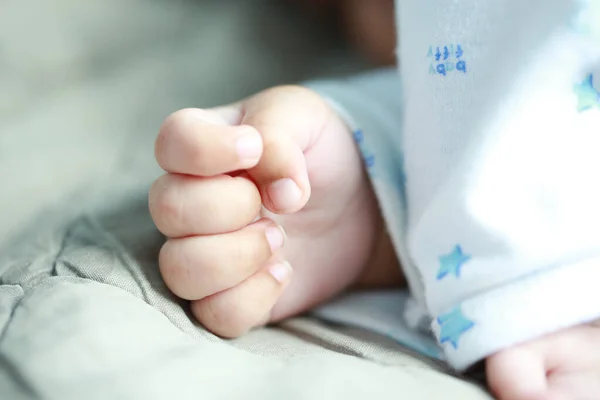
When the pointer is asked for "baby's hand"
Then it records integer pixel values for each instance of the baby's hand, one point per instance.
(564, 365)
(223, 165)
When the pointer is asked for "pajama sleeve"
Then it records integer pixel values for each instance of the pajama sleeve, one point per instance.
(485, 160)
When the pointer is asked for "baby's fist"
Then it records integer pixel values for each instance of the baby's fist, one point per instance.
(224, 250)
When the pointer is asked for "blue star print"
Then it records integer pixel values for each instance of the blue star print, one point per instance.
(587, 96)
(452, 263)
(358, 136)
(453, 325)
(369, 160)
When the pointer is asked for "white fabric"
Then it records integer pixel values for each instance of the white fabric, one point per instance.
(496, 216)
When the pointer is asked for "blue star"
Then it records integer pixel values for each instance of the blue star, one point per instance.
(358, 136)
(452, 263)
(453, 325)
(587, 96)
(369, 160)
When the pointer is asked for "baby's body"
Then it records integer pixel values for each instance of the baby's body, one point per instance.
(444, 163)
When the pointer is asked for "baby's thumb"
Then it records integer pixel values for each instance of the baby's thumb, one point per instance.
(289, 120)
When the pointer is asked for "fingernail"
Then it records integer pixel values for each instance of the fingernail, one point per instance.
(249, 147)
(284, 194)
(281, 271)
(275, 236)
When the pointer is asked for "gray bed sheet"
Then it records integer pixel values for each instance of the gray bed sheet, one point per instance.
(83, 311)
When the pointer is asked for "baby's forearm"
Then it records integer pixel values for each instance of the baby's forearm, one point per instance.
(383, 269)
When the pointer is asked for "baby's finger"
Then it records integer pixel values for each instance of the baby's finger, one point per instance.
(517, 374)
(199, 266)
(184, 205)
(289, 120)
(199, 142)
(233, 312)
(282, 176)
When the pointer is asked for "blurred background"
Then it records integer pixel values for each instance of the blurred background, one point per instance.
(84, 85)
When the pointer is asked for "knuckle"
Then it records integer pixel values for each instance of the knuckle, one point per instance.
(166, 206)
(174, 269)
(222, 321)
(177, 120)
(174, 137)
(170, 127)
(168, 265)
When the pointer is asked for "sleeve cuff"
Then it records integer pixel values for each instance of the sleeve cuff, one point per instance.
(537, 305)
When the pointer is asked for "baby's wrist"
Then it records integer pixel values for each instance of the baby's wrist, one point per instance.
(383, 268)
